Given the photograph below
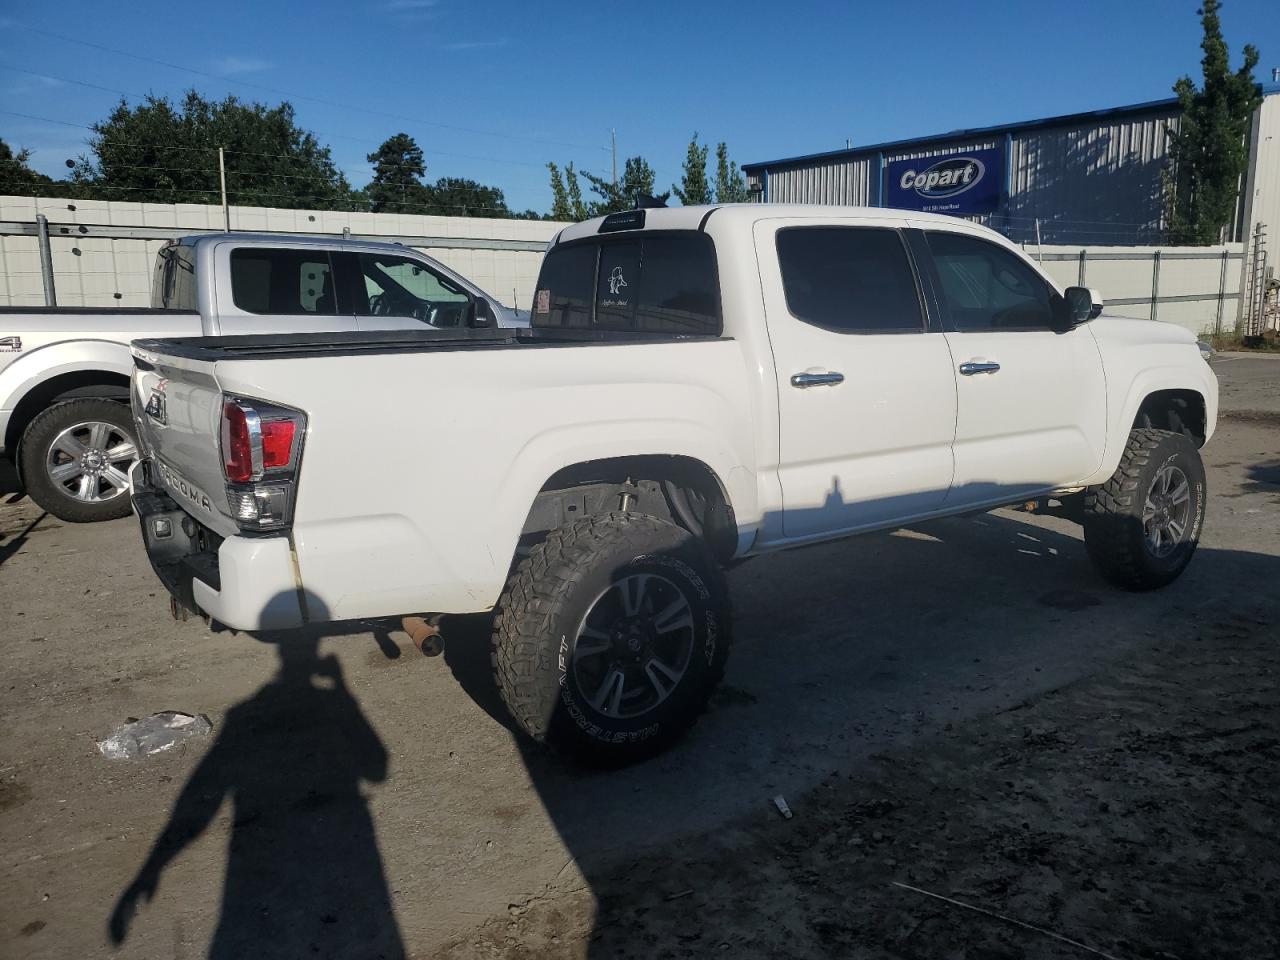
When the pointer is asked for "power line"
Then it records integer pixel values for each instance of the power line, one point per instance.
(365, 110)
(339, 136)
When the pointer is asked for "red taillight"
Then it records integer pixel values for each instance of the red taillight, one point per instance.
(277, 442)
(237, 449)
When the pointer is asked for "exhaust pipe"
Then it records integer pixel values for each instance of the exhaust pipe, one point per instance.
(425, 633)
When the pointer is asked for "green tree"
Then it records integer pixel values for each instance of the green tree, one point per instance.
(566, 195)
(559, 195)
(16, 176)
(398, 167)
(694, 189)
(460, 197)
(577, 206)
(1207, 151)
(164, 153)
(637, 180)
(731, 186)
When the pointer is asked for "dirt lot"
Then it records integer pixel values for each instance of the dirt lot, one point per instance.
(963, 708)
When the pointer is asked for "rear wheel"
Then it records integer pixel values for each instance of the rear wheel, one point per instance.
(611, 636)
(1142, 526)
(76, 458)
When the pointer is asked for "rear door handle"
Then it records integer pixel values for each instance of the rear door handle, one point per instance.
(978, 366)
(805, 380)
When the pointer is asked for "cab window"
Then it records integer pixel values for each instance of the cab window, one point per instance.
(282, 282)
(395, 286)
(985, 287)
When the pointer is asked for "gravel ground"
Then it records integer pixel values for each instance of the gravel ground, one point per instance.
(962, 707)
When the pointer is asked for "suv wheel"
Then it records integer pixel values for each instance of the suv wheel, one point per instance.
(76, 458)
(1142, 526)
(611, 636)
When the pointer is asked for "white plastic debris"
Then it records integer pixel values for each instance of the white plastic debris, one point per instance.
(154, 734)
(781, 803)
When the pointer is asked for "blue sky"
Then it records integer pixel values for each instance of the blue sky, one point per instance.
(493, 90)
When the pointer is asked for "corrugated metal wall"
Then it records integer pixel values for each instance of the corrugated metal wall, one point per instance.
(1090, 184)
(1095, 182)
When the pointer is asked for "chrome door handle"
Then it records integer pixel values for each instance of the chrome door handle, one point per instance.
(972, 367)
(805, 380)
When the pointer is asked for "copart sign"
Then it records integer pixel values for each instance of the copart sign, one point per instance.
(955, 183)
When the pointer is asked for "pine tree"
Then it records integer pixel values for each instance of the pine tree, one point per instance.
(398, 167)
(566, 195)
(559, 196)
(694, 189)
(1208, 153)
(637, 180)
(731, 186)
(577, 208)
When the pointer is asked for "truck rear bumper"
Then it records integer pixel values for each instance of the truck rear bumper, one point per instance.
(246, 583)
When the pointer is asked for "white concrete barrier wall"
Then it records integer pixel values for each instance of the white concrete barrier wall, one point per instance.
(1128, 279)
(92, 271)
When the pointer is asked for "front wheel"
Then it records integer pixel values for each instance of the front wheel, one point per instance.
(611, 636)
(1142, 526)
(76, 458)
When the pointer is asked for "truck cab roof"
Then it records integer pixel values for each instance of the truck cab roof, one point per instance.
(698, 217)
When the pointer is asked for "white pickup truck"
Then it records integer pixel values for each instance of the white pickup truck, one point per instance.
(699, 385)
(64, 372)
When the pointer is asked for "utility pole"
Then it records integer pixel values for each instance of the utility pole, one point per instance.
(222, 176)
(613, 139)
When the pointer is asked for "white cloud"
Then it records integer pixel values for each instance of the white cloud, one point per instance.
(235, 65)
(476, 44)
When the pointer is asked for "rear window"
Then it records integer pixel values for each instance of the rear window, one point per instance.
(665, 283)
(282, 281)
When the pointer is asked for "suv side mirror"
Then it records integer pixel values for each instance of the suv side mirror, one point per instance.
(482, 314)
(1083, 304)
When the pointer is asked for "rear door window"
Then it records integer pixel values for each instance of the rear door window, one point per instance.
(658, 282)
(283, 282)
(850, 279)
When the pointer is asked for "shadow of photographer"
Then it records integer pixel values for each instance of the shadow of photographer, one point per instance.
(304, 874)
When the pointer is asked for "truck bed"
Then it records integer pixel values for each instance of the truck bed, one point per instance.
(300, 345)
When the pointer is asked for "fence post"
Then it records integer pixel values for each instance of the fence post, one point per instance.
(46, 261)
(1080, 274)
(1155, 282)
(1222, 293)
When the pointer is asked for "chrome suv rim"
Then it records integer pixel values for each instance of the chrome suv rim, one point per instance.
(1166, 516)
(634, 645)
(90, 461)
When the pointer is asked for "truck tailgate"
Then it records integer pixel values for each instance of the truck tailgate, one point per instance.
(177, 404)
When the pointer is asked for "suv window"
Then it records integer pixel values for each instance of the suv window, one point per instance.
(986, 287)
(850, 279)
(660, 282)
(395, 286)
(282, 281)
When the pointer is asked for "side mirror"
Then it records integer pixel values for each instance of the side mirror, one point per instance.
(1083, 304)
(482, 314)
